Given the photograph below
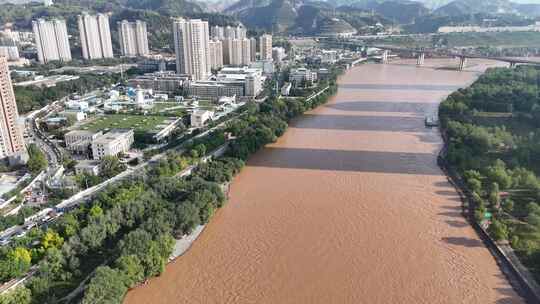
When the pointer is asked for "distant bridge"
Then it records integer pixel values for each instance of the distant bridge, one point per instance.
(422, 52)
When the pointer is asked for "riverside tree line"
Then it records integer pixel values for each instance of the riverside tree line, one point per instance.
(96, 252)
(493, 137)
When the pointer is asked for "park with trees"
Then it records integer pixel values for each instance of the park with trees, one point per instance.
(493, 142)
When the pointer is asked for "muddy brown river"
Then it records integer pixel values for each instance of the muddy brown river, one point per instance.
(348, 206)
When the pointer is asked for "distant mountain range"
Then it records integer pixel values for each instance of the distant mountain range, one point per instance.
(310, 17)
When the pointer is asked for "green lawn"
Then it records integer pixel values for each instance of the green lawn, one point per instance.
(138, 122)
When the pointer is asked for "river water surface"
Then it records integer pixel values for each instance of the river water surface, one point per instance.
(348, 206)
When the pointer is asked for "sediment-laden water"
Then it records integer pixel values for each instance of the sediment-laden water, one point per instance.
(348, 206)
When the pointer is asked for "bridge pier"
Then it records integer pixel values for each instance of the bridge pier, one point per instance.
(462, 63)
(421, 59)
(384, 58)
(512, 64)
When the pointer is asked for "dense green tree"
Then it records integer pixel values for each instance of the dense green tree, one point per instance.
(110, 166)
(107, 286)
(37, 161)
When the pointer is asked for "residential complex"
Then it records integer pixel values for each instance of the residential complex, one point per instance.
(52, 41)
(191, 43)
(113, 143)
(133, 38)
(11, 139)
(95, 36)
(265, 47)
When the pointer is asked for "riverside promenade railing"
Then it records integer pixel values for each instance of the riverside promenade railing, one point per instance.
(510, 264)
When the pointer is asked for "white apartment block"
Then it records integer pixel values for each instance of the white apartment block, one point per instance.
(265, 43)
(191, 43)
(113, 143)
(215, 48)
(11, 139)
(133, 37)
(51, 40)
(95, 36)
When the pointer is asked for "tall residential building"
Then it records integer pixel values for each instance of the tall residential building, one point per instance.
(265, 43)
(218, 32)
(230, 32)
(240, 32)
(237, 52)
(246, 51)
(95, 36)
(215, 48)
(51, 40)
(133, 38)
(191, 39)
(253, 49)
(232, 52)
(11, 139)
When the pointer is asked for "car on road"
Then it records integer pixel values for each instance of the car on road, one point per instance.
(21, 233)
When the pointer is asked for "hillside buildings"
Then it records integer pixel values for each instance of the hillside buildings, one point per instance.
(481, 29)
(265, 47)
(191, 43)
(11, 139)
(51, 40)
(95, 36)
(133, 38)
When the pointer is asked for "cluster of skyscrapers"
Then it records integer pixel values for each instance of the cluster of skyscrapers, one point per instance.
(95, 38)
(199, 50)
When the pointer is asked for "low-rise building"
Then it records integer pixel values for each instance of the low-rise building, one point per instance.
(79, 141)
(302, 75)
(87, 167)
(163, 82)
(213, 90)
(112, 143)
(200, 117)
